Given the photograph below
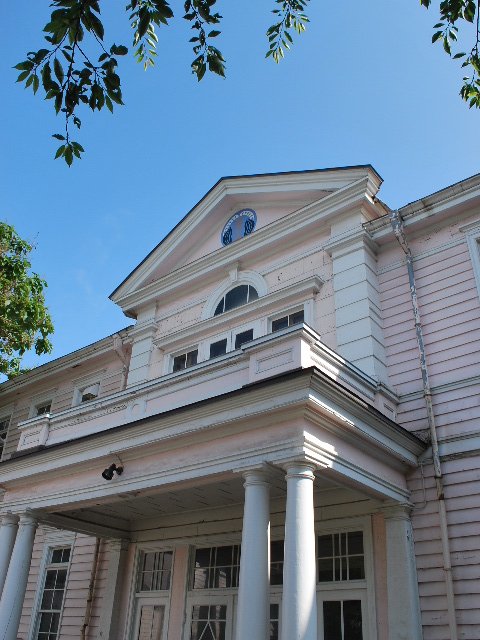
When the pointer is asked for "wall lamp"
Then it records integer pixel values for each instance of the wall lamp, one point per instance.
(108, 473)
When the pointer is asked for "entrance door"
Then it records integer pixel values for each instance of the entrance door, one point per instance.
(342, 615)
(209, 617)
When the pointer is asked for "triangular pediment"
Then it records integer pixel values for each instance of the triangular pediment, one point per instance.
(271, 197)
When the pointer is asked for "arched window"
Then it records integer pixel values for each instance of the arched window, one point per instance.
(242, 294)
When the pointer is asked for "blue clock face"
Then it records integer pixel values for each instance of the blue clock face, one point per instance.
(241, 224)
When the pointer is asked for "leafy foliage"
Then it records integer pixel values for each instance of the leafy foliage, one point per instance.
(24, 320)
(97, 84)
(452, 12)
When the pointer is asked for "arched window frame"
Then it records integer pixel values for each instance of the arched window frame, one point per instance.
(242, 277)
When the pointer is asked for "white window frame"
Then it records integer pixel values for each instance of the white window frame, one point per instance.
(231, 335)
(136, 597)
(40, 400)
(472, 234)
(168, 366)
(363, 590)
(83, 383)
(53, 540)
(6, 413)
(281, 314)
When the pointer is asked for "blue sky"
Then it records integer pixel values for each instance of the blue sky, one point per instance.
(363, 85)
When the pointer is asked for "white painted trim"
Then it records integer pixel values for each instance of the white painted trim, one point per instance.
(41, 399)
(53, 540)
(309, 286)
(81, 384)
(252, 278)
(472, 232)
(134, 594)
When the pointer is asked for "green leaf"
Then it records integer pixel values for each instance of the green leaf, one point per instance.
(69, 155)
(58, 69)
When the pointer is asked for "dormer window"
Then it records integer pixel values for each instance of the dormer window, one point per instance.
(243, 294)
(90, 393)
(42, 409)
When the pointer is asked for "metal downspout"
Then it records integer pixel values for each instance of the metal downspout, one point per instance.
(86, 619)
(397, 225)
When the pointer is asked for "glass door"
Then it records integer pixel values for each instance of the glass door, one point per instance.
(150, 622)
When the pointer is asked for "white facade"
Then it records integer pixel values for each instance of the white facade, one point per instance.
(266, 450)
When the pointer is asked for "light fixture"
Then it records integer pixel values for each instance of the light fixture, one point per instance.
(108, 473)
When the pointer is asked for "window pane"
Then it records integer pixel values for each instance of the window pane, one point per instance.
(325, 547)
(342, 553)
(218, 348)
(325, 570)
(242, 338)
(281, 323)
(332, 621)
(355, 542)
(220, 568)
(352, 620)
(252, 294)
(208, 622)
(44, 408)
(296, 318)
(277, 548)
(236, 297)
(179, 363)
(274, 617)
(156, 571)
(192, 358)
(220, 307)
(356, 570)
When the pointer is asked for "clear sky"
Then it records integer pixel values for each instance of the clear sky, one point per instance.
(363, 85)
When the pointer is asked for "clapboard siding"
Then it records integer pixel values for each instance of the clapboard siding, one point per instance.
(20, 413)
(77, 589)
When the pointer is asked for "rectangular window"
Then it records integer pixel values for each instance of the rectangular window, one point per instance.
(341, 557)
(287, 321)
(53, 594)
(274, 621)
(185, 360)
(218, 348)
(342, 620)
(152, 622)
(42, 409)
(3, 434)
(216, 567)
(209, 622)
(242, 338)
(156, 571)
(277, 548)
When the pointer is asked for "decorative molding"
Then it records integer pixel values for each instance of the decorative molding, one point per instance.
(215, 324)
(240, 277)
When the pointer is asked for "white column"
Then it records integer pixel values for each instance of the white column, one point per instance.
(254, 590)
(299, 605)
(16, 582)
(8, 532)
(112, 595)
(404, 621)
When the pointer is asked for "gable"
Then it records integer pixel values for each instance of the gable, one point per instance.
(272, 197)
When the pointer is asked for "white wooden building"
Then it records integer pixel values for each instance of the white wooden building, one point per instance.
(261, 455)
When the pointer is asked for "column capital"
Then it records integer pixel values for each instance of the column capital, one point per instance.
(9, 519)
(300, 469)
(397, 511)
(28, 520)
(256, 477)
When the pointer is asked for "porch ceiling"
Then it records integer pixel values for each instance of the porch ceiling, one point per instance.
(132, 507)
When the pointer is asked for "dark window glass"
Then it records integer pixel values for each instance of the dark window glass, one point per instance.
(341, 557)
(218, 348)
(332, 620)
(242, 338)
(235, 298)
(208, 622)
(185, 360)
(281, 323)
(53, 595)
(296, 318)
(220, 307)
(277, 549)
(217, 567)
(157, 571)
(274, 618)
(44, 408)
(352, 620)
